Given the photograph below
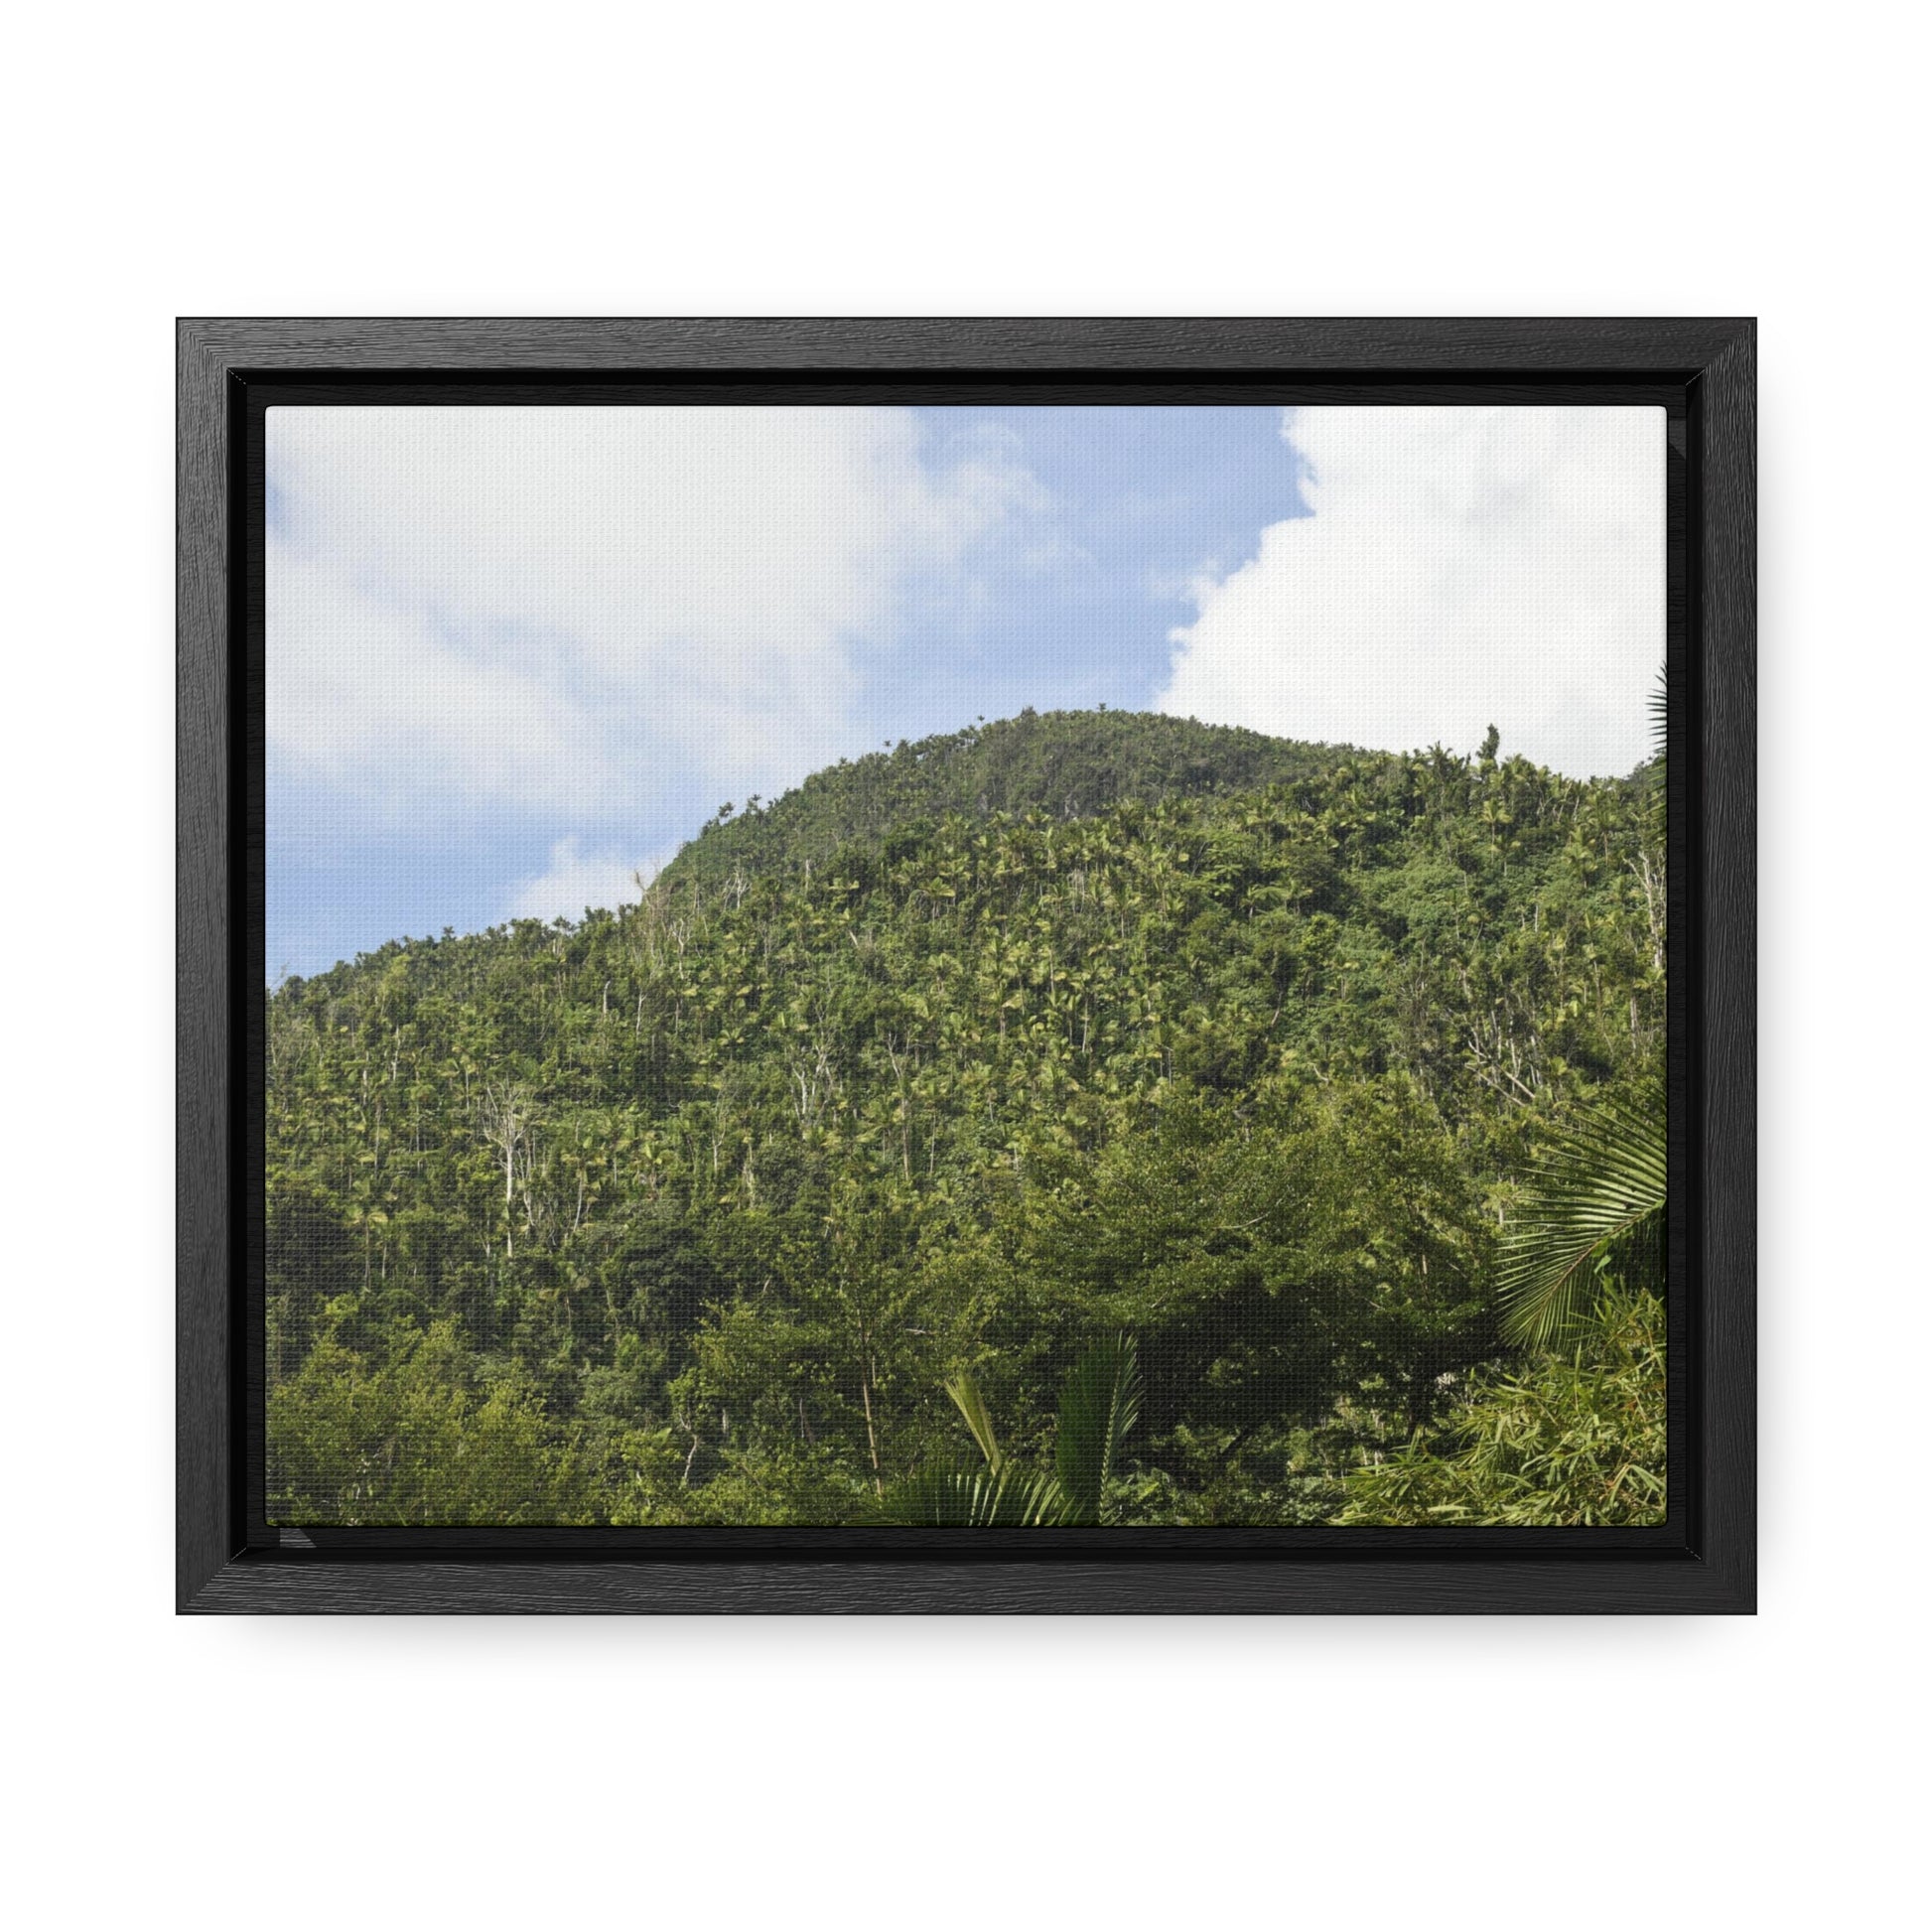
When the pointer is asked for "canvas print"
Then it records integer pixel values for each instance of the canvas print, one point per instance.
(965, 966)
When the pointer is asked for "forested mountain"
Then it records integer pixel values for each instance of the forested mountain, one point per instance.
(1065, 763)
(955, 1062)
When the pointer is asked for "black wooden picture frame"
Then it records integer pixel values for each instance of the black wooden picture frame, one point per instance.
(1702, 1559)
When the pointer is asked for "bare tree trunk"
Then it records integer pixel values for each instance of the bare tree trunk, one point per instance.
(872, 1440)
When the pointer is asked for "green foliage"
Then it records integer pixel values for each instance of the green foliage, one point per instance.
(927, 1075)
(1571, 1438)
(1596, 1199)
(1098, 1408)
(412, 1441)
(1658, 775)
(971, 1405)
(946, 1497)
(1066, 764)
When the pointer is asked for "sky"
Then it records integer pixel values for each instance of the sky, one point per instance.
(516, 657)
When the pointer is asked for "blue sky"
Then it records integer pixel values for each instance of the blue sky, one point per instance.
(514, 655)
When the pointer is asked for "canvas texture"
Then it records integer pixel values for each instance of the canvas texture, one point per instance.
(965, 967)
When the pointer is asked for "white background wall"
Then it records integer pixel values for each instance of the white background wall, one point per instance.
(1016, 158)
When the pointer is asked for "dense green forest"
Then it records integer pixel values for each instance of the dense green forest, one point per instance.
(1229, 1065)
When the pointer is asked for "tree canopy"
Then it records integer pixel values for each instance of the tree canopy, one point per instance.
(955, 1062)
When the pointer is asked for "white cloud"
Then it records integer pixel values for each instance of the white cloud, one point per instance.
(551, 608)
(1462, 567)
(575, 879)
(364, 694)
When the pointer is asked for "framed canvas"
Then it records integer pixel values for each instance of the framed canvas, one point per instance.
(966, 966)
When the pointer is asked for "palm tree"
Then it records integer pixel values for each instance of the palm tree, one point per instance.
(1599, 1199)
(1099, 1405)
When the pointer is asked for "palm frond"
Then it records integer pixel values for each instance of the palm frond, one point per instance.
(1659, 739)
(971, 1404)
(974, 1500)
(1100, 1404)
(1606, 1181)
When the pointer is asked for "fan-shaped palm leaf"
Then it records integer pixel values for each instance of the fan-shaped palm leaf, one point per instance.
(1604, 1182)
(975, 1499)
(1100, 1404)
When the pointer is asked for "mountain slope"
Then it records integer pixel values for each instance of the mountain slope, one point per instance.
(1066, 763)
(688, 1212)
